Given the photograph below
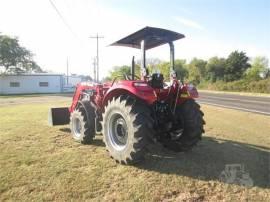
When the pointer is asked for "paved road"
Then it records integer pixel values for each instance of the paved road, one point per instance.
(260, 105)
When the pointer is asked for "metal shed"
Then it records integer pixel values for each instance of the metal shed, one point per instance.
(31, 83)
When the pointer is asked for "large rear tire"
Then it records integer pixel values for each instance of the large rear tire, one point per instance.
(192, 116)
(126, 126)
(82, 129)
(191, 121)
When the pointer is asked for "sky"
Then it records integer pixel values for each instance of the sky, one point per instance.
(212, 28)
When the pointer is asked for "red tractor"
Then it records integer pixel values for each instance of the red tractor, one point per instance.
(137, 111)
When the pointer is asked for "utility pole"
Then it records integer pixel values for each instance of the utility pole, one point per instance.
(94, 65)
(97, 37)
(67, 70)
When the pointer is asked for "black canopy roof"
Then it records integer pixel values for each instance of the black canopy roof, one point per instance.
(153, 37)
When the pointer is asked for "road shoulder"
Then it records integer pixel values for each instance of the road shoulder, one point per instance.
(236, 93)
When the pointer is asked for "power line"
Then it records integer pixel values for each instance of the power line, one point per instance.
(69, 28)
(96, 65)
(62, 18)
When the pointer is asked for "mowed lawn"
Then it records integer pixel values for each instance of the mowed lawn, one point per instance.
(38, 162)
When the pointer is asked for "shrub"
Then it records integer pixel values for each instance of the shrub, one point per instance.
(261, 86)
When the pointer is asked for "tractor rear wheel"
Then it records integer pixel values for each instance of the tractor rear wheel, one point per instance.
(191, 124)
(126, 124)
(82, 129)
(192, 117)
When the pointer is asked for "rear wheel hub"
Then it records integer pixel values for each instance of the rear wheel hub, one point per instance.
(118, 131)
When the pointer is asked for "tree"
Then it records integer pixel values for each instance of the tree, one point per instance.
(181, 69)
(86, 78)
(236, 65)
(15, 58)
(163, 68)
(215, 69)
(121, 71)
(258, 70)
(153, 67)
(151, 64)
(196, 70)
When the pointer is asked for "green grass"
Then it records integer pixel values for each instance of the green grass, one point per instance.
(44, 163)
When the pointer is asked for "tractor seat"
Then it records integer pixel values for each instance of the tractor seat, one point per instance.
(156, 80)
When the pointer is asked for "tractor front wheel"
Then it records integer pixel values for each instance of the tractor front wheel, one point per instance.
(126, 124)
(82, 129)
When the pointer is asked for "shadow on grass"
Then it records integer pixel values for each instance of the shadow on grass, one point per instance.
(96, 142)
(65, 130)
(209, 158)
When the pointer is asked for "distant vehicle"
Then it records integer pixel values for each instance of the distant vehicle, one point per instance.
(137, 111)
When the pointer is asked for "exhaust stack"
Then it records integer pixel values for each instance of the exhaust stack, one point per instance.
(132, 71)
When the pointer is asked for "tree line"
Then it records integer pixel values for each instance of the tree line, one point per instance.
(236, 69)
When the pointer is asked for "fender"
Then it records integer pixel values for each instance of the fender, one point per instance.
(188, 91)
(78, 92)
(139, 89)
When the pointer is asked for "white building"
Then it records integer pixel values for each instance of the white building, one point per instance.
(31, 83)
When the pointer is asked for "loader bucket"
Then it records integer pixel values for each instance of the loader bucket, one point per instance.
(58, 116)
